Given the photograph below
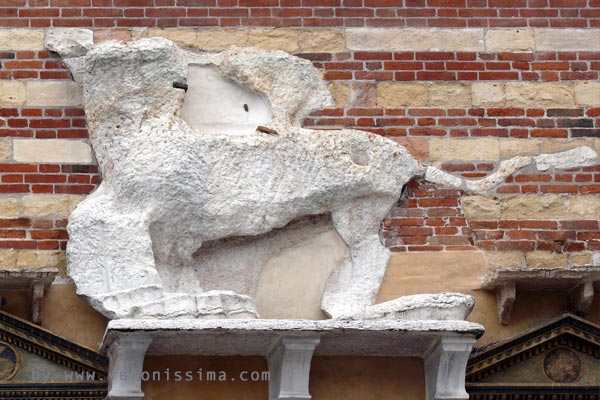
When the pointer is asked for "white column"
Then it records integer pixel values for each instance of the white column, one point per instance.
(289, 368)
(125, 363)
(445, 368)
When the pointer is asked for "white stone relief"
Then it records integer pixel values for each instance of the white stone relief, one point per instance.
(575, 158)
(200, 183)
(170, 191)
(202, 189)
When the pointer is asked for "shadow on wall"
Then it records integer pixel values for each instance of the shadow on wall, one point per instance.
(63, 313)
(434, 272)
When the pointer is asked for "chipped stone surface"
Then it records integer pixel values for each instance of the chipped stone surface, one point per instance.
(69, 42)
(439, 177)
(506, 169)
(578, 157)
(137, 243)
(442, 306)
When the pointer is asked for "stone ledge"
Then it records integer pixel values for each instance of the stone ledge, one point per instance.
(255, 337)
(33, 280)
(289, 346)
(579, 282)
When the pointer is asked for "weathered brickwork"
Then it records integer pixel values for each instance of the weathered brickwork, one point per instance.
(308, 13)
(31, 65)
(458, 65)
(465, 122)
(463, 84)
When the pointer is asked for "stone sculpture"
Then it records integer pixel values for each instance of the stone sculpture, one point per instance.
(185, 175)
(170, 187)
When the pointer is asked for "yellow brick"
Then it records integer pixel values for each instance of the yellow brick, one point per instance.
(8, 259)
(482, 208)
(181, 36)
(558, 145)
(119, 34)
(398, 94)
(21, 39)
(579, 259)
(509, 40)
(340, 92)
(53, 93)
(415, 39)
(533, 206)
(221, 39)
(567, 39)
(587, 94)
(9, 207)
(486, 94)
(5, 148)
(539, 259)
(321, 40)
(540, 94)
(52, 151)
(449, 95)
(274, 39)
(503, 259)
(519, 147)
(49, 204)
(583, 207)
(463, 149)
(31, 259)
(12, 93)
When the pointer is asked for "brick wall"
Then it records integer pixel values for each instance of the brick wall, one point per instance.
(497, 79)
(301, 13)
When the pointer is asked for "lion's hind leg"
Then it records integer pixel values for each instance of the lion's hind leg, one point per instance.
(354, 285)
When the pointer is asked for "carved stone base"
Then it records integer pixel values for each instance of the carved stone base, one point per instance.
(445, 367)
(289, 368)
(126, 360)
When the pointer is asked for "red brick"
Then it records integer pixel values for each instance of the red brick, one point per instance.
(557, 133)
(535, 224)
(14, 188)
(579, 225)
(556, 235)
(18, 244)
(523, 245)
(587, 189)
(48, 234)
(484, 224)
(559, 189)
(521, 234)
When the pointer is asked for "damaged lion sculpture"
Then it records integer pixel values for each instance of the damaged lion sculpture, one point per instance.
(185, 171)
